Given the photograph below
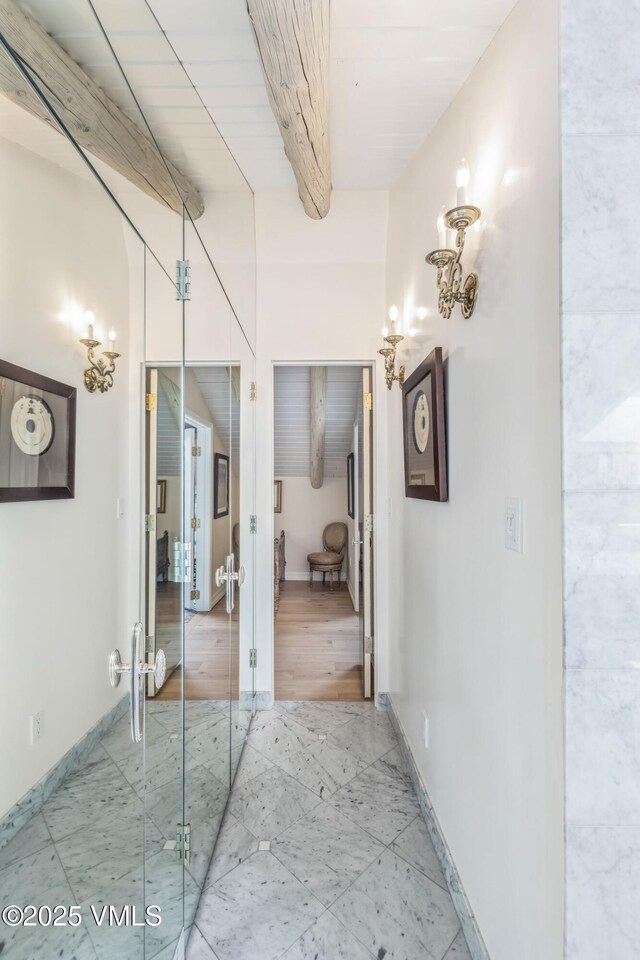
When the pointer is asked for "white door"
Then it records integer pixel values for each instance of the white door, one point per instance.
(365, 496)
(357, 518)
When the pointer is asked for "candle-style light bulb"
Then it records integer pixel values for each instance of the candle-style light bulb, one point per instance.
(421, 313)
(393, 316)
(112, 340)
(462, 182)
(89, 317)
(442, 230)
(385, 331)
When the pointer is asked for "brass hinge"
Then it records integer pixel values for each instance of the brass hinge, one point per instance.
(368, 401)
(253, 657)
(253, 390)
(183, 842)
(195, 594)
(149, 523)
(183, 280)
(253, 523)
(150, 402)
(196, 451)
(195, 523)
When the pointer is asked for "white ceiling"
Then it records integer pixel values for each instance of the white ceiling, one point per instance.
(395, 67)
(291, 419)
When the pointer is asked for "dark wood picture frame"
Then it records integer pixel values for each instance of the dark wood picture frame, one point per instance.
(350, 479)
(433, 369)
(66, 491)
(277, 496)
(220, 507)
(161, 496)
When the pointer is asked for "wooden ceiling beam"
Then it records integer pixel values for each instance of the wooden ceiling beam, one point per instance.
(317, 423)
(95, 121)
(292, 38)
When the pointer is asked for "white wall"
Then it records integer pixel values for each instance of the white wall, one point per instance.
(63, 564)
(305, 514)
(320, 298)
(479, 643)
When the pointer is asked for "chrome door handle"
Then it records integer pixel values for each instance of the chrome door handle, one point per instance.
(221, 576)
(137, 668)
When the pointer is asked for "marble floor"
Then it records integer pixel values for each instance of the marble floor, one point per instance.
(323, 853)
(102, 837)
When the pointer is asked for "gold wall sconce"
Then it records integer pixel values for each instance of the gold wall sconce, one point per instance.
(99, 373)
(392, 339)
(451, 287)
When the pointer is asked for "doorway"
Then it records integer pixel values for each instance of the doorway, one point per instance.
(323, 532)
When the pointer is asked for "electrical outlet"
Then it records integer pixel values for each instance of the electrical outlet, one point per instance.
(425, 729)
(36, 726)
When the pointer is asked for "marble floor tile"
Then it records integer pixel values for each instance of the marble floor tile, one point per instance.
(365, 737)
(279, 737)
(416, 847)
(164, 879)
(204, 798)
(398, 913)
(327, 939)
(97, 793)
(256, 911)
(323, 767)
(393, 765)
(198, 948)
(326, 852)
(39, 879)
(379, 804)
(209, 741)
(251, 765)
(113, 942)
(270, 803)
(93, 859)
(34, 836)
(458, 949)
(320, 716)
(234, 845)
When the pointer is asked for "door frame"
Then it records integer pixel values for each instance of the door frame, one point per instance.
(372, 366)
(204, 483)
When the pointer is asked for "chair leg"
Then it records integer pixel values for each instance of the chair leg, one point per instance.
(310, 576)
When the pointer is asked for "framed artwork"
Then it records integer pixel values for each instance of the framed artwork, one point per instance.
(350, 505)
(37, 436)
(424, 426)
(220, 485)
(277, 496)
(161, 496)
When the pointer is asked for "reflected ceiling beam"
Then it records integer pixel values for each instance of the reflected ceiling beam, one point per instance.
(96, 122)
(292, 37)
(317, 422)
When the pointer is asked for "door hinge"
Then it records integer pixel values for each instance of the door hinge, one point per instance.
(150, 402)
(149, 523)
(368, 401)
(368, 645)
(253, 390)
(253, 523)
(196, 451)
(183, 280)
(183, 842)
(150, 643)
(368, 522)
(195, 594)
(195, 523)
(253, 657)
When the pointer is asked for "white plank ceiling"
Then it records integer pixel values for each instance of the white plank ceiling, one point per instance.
(291, 419)
(395, 67)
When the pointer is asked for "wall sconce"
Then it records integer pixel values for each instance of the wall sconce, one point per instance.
(389, 352)
(99, 374)
(451, 289)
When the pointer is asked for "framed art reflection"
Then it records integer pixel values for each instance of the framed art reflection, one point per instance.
(37, 436)
(424, 431)
(220, 485)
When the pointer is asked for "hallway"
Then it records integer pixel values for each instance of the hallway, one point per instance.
(318, 648)
(351, 873)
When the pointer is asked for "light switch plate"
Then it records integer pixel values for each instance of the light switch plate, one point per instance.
(513, 524)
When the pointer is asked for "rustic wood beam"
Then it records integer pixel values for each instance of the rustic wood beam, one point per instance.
(96, 122)
(317, 416)
(292, 38)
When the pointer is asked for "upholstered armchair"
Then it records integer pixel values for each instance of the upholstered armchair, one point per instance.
(330, 559)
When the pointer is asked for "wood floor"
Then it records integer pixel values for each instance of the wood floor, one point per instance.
(318, 649)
